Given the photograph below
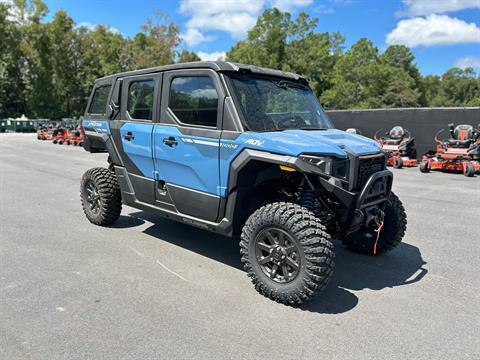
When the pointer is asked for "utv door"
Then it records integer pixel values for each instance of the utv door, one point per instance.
(132, 131)
(187, 140)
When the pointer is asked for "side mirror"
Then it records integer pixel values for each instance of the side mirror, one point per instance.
(451, 126)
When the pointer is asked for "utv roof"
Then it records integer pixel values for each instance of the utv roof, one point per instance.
(219, 66)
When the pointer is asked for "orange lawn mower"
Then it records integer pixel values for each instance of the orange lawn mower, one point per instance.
(42, 133)
(59, 135)
(398, 145)
(75, 137)
(459, 153)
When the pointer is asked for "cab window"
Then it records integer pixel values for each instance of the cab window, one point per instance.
(140, 99)
(194, 100)
(99, 100)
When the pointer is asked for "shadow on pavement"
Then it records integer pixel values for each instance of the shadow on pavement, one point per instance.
(353, 272)
(127, 222)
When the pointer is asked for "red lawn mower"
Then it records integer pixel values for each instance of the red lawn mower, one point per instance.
(75, 137)
(461, 152)
(398, 145)
(59, 135)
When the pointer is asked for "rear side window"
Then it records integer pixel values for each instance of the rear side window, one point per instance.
(140, 99)
(99, 101)
(194, 100)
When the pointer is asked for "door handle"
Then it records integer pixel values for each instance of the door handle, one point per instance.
(170, 141)
(128, 136)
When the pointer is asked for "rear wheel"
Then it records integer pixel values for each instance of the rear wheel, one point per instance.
(100, 196)
(394, 226)
(424, 167)
(469, 170)
(287, 252)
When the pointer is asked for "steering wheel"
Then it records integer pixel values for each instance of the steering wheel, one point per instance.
(293, 122)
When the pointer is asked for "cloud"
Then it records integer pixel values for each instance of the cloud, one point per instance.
(428, 7)
(468, 61)
(235, 17)
(194, 37)
(433, 30)
(323, 9)
(289, 5)
(213, 56)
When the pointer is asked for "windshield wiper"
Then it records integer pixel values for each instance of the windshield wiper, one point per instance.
(283, 84)
(310, 128)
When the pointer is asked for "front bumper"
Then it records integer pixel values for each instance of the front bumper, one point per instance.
(375, 191)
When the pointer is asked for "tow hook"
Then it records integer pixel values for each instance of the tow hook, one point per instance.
(377, 230)
(374, 219)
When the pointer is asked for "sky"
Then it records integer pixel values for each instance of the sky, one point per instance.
(441, 33)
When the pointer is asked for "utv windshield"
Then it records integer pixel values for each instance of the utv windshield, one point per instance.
(272, 103)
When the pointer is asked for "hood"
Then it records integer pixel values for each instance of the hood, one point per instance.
(325, 142)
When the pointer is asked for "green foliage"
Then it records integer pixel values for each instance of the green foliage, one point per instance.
(12, 86)
(187, 56)
(278, 42)
(47, 68)
(362, 78)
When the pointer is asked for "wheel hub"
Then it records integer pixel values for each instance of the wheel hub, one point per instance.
(93, 197)
(277, 254)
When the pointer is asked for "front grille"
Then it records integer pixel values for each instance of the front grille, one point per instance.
(368, 165)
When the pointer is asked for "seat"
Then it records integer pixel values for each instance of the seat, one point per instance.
(462, 136)
(395, 136)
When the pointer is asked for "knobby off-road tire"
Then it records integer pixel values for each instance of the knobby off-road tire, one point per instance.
(100, 196)
(306, 243)
(394, 227)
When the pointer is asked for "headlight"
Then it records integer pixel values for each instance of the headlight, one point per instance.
(328, 165)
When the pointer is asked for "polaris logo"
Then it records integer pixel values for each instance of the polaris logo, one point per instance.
(93, 123)
(254, 142)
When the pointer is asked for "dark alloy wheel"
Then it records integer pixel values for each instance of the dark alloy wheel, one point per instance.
(287, 252)
(100, 196)
(278, 254)
(93, 197)
(391, 235)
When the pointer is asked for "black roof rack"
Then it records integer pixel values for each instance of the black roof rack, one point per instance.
(220, 66)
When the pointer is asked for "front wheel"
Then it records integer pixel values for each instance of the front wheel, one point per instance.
(391, 234)
(469, 170)
(398, 164)
(287, 253)
(100, 196)
(424, 167)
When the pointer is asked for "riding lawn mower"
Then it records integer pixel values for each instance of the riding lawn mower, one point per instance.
(398, 145)
(461, 152)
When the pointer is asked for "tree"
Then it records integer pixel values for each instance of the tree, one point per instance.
(364, 79)
(187, 56)
(156, 44)
(12, 85)
(400, 56)
(460, 87)
(279, 42)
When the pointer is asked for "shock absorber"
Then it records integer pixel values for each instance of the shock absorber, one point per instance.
(308, 200)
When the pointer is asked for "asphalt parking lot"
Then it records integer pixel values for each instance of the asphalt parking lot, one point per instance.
(149, 288)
